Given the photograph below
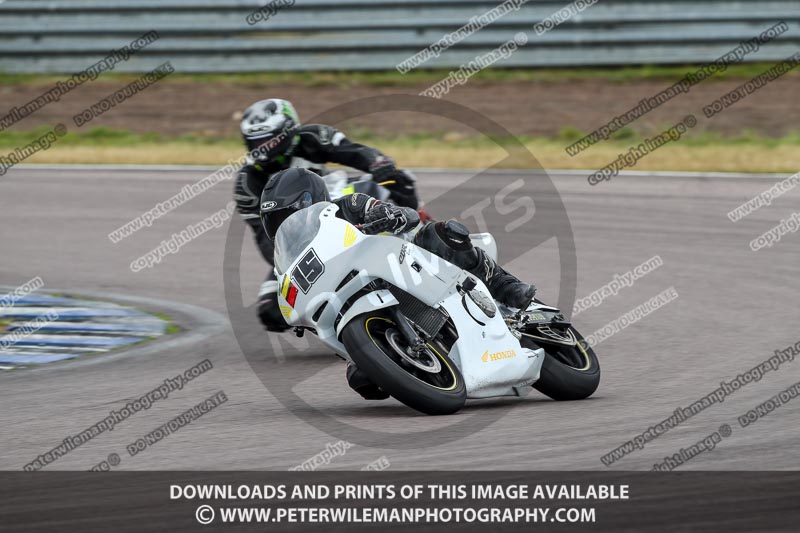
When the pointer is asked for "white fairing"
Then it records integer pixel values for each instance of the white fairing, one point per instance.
(315, 251)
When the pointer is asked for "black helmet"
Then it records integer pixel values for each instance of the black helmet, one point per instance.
(287, 192)
(268, 128)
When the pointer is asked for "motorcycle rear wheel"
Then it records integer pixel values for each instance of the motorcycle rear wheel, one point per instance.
(431, 384)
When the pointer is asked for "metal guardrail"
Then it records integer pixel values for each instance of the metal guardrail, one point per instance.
(213, 35)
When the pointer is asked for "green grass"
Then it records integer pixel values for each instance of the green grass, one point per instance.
(171, 327)
(108, 137)
(623, 137)
(628, 136)
(696, 151)
(392, 78)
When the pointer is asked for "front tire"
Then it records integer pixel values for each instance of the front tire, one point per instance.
(435, 386)
(568, 372)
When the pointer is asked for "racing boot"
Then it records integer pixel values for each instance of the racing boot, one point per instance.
(505, 287)
(450, 240)
(268, 311)
(360, 383)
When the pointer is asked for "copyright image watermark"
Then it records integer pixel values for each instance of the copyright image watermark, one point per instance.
(107, 464)
(465, 72)
(684, 455)
(178, 240)
(710, 442)
(108, 63)
(474, 25)
(43, 142)
(189, 192)
(752, 416)
(717, 396)
(682, 86)
(769, 238)
(635, 153)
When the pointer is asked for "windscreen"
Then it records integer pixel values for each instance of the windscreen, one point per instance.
(295, 234)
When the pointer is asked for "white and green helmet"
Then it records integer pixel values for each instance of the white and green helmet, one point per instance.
(269, 126)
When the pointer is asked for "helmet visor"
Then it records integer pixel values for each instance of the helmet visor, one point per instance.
(266, 148)
(272, 219)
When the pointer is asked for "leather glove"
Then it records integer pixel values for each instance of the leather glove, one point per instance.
(403, 190)
(389, 218)
(382, 169)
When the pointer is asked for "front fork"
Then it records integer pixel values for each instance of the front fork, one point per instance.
(415, 343)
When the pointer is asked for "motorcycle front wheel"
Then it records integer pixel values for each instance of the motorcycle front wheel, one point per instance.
(428, 382)
(568, 372)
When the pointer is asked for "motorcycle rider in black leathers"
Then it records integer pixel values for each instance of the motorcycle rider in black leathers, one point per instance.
(272, 130)
(291, 190)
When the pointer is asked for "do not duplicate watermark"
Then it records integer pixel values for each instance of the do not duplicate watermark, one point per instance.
(118, 97)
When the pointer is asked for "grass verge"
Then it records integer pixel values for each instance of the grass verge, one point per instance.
(171, 327)
(705, 152)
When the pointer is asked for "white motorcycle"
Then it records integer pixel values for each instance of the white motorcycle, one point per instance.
(425, 331)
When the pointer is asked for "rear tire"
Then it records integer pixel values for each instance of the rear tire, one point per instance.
(560, 379)
(367, 339)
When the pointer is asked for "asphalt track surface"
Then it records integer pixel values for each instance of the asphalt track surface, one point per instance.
(735, 307)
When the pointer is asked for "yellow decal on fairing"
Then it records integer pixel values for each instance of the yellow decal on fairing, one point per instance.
(349, 236)
(285, 286)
